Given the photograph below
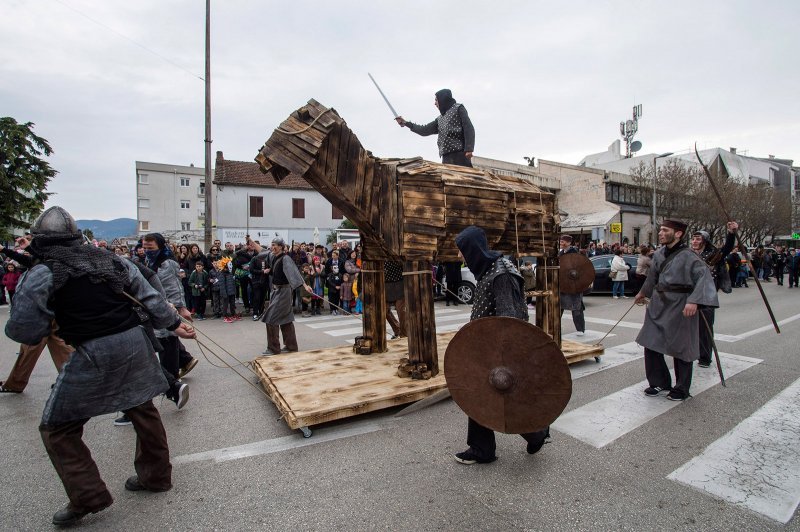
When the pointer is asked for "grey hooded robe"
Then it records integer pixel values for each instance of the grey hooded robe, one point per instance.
(666, 330)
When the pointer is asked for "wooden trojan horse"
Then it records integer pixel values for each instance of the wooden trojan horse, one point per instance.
(410, 211)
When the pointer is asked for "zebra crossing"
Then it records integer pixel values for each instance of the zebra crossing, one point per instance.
(755, 466)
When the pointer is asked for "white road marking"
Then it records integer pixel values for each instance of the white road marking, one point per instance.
(608, 418)
(757, 464)
(603, 321)
(770, 327)
(611, 357)
(730, 338)
(281, 444)
(588, 336)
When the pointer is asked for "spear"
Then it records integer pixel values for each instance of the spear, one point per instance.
(738, 240)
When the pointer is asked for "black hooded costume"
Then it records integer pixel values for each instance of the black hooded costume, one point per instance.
(455, 130)
(500, 292)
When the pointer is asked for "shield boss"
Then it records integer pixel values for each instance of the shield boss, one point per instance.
(575, 273)
(507, 374)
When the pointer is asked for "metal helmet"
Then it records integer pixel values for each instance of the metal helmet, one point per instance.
(55, 221)
(704, 234)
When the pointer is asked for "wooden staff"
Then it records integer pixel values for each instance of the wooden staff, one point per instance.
(738, 240)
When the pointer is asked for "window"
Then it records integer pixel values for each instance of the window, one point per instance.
(144, 203)
(185, 204)
(144, 226)
(336, 214)
(186, 226)
(298, 208)
(184, 181)
(256, 206)
(144, 179)
(201, 191)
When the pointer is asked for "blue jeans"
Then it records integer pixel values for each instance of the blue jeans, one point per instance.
(618, 288)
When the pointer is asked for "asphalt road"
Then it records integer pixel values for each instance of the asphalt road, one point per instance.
(380, 472)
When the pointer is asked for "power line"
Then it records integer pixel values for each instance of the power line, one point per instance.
(143, 47)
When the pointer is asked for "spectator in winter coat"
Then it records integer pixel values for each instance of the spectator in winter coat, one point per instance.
(10, 280)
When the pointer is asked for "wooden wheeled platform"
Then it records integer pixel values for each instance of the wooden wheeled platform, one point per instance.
(313, 387)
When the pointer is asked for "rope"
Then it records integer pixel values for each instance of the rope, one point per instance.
(309, 126)
(600, 342)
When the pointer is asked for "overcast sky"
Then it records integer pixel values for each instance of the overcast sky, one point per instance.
(538, 78)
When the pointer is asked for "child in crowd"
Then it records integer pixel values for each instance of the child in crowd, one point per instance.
(213, 281)
(305, 296)
(227, 290)
(346, 292)
(10, 280)
(356, 304)
(318, 285)
(334, 281)
(198, 280)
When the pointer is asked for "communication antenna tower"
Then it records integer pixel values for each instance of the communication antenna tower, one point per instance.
(628, 129)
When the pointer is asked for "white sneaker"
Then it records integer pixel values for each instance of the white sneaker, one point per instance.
(580, 333)
(616, 297)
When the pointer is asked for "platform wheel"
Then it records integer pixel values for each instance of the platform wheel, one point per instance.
(306, 432)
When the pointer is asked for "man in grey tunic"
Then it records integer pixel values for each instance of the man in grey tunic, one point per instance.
(571, 302)
(677, 283)
(279, 315)
(113, 366)
(456, 134)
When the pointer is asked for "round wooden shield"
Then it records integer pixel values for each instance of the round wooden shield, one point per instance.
(507, 374)
(575, 273)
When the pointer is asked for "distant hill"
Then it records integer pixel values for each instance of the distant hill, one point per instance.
(107, 230)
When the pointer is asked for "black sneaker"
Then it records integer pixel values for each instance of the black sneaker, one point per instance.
(535, 447)
(179, 394)
(704, 364)
(675, 395)
(655, 391)
(468, 458)
(123, 421)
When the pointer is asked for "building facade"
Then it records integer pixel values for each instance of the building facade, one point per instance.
(246, 201)
(170, 199)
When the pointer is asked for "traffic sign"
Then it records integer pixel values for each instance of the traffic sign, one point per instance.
(795, 236)
(616, 228)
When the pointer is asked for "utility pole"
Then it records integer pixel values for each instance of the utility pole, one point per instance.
(208, 214)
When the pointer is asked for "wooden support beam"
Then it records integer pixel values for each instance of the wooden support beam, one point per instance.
(548, 306)
(374, 300)
(420, 319)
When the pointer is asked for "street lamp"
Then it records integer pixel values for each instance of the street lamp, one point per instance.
(655, 174)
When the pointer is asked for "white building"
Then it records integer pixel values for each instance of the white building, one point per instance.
(246, 201)
(170, 199)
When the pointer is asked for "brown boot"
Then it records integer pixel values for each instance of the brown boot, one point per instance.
(289, 336)
(273, 339)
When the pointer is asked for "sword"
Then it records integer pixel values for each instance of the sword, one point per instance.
(385, 99)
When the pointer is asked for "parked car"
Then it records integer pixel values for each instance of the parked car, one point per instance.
(466, 289)
(602, 282)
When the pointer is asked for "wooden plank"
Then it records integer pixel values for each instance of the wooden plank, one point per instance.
(311, 136)
(324, 385)
(548, 308)
(418, 229)
(426, 197)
